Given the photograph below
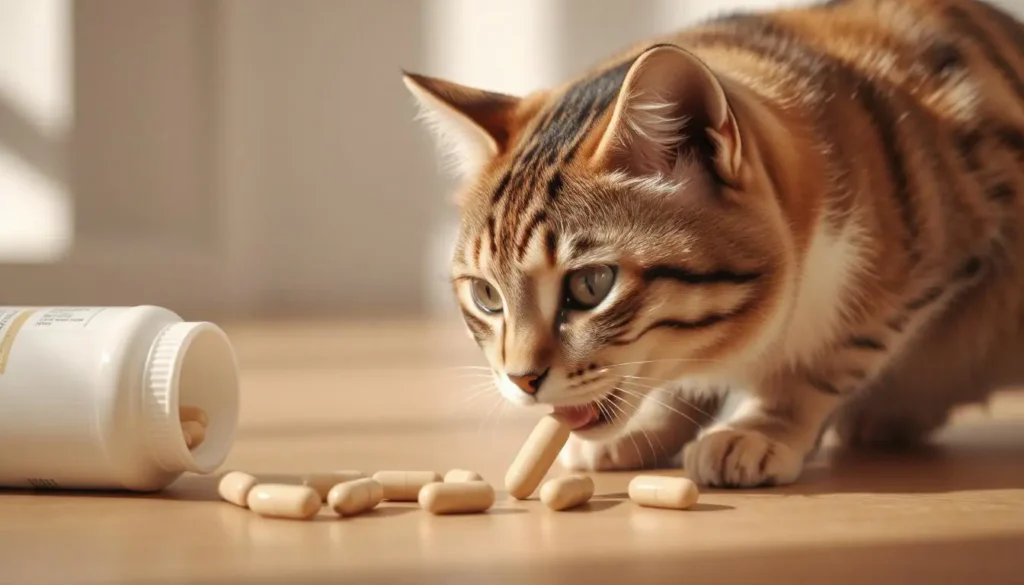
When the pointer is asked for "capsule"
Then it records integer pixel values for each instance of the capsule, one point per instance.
(466, 497)
(460, 475)
(194, 433)
(355, 497)
(655, 491)
(234, 487)
(404, 486)
(323, 482)
(193, 413)
(567, 492)
(536, 457)
(278, 500)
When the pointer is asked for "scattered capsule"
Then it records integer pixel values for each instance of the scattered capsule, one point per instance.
(276, 500)
(404, 486)
(460, 475)
(193, 413)
(567, 492)
(467, 497)
(234, 487)
(655, 491)
(355, 497)
(323, 482)
(194, 433)
(536, 456)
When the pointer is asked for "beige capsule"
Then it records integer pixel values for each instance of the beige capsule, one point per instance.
(323, 482)
(567, 492)
(234, 487)
(278, 500)
(404, 486)
(459, 475)
(466, 497)
(655, 491)
(536, 456)
(355, 497)
(194, 433)
(193, 413)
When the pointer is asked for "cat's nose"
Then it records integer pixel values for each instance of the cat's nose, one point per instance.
(530, 382)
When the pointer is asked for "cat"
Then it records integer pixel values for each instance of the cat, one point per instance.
(720, 243)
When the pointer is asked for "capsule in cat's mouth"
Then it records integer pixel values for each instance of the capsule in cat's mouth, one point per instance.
(584, 417)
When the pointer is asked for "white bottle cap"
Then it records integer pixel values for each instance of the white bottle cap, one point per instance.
(194, 364)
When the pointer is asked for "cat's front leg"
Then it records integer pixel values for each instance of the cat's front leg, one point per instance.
(626, 453)
(662, 424)
(766, 442)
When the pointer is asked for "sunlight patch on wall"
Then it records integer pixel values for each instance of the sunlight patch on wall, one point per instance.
(35, 118)
(35, 214)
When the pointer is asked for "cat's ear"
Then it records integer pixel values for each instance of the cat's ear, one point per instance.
(470, 126)
(669, 102)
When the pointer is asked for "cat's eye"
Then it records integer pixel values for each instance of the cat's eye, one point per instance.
(587, 287)
(486, 296)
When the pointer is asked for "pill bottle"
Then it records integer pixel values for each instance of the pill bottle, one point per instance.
(89, 397)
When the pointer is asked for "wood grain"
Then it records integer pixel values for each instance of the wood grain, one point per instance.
(376, 396)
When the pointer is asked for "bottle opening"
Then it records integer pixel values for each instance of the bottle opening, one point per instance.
(193, 365)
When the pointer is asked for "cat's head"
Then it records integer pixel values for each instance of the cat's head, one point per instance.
(614, 232)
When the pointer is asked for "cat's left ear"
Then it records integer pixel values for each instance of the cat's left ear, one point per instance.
(669, 102)
(469, 125)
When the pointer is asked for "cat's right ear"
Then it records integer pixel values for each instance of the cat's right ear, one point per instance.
(470, 126)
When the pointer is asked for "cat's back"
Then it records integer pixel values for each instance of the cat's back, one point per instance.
(936, 85)
(962, 59)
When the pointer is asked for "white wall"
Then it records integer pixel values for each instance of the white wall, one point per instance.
(321, 151)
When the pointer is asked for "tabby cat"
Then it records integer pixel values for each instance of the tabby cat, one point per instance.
(717, 245)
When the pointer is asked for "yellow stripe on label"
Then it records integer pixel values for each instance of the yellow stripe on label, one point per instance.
(9, 334)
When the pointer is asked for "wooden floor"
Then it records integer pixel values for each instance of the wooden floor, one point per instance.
(376, 396)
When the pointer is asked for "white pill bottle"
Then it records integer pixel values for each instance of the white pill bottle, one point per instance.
(89, 397)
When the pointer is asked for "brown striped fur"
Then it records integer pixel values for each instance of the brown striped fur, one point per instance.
(815, 216)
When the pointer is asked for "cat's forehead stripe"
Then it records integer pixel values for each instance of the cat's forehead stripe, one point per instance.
(534, 177)
(477, 247)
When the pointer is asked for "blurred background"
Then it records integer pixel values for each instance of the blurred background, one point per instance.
(259, 158)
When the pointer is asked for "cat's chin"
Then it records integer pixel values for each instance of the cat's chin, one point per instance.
(595, 420)
(601, 432)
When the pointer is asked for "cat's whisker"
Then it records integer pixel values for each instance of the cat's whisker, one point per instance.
(470, 383)
(650, 378)
(498, 419)
(475, 385)
(611, 417)
(681, 398)
(475, 394)
(469, 374)
(469, 403)
(642, 430)
(485, 368)
(662, 404)
(665, 360)
(636, 446)
(497, 402)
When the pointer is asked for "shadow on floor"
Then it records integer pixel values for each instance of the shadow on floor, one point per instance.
(988, 457)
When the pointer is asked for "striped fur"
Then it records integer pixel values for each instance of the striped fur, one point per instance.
(816, 209)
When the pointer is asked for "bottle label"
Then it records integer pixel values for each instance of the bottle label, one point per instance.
(11, 321)
(63, 318)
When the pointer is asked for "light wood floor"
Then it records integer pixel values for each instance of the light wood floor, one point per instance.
(375, 396)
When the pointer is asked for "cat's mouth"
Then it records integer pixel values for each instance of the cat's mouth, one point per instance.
(589, 416)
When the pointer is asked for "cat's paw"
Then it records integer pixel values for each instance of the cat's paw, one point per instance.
(740, 459)
(580, 455)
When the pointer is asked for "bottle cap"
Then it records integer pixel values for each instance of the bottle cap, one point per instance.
(191, 364)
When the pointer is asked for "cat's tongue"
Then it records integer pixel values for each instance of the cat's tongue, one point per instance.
(577, 417)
